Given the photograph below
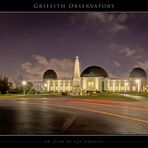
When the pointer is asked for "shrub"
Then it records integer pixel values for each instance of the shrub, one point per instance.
(64, 94)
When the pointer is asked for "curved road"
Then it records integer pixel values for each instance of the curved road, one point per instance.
(72, 116)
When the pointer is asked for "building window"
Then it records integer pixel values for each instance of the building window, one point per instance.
(133, 88)
(128, 88)
(56, 88)
(117, 88)
(51, 88)
(122, 88)
(111, 88)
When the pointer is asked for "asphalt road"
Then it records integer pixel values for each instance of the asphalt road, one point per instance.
(72, 116)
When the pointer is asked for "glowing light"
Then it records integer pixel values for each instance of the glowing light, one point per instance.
(126, 84)
(138, 84)
(24, 85)
(24, 82)
(45, 85)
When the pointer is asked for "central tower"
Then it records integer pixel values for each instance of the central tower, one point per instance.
(76, 77)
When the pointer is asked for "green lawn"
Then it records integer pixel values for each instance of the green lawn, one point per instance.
(31, 96)
(106, 96)
(101, 96)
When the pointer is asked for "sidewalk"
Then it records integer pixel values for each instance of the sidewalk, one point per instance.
(141, 100)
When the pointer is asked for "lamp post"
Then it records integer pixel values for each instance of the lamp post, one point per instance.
(24, 86)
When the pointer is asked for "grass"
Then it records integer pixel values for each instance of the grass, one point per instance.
(101, 96)
(30, 96)
(106, 96)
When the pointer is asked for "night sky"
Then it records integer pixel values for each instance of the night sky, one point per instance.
(33, 43)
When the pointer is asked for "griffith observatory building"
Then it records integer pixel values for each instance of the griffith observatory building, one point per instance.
(94, 79)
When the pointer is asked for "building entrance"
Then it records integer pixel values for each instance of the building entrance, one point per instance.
(90, 86)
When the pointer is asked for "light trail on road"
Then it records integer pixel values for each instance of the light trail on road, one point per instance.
(111, 102)
(91, 110)
(108, 105)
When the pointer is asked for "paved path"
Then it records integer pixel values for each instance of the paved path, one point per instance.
(135, 97)
(72, 116)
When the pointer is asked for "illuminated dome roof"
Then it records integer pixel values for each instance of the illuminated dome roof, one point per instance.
(50, 74)
(94, 71)
(138, 73)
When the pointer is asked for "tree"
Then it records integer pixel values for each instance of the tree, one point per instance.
(29, 87)
(23, 88)
(5, 85)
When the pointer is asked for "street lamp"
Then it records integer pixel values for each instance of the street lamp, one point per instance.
(24, 84)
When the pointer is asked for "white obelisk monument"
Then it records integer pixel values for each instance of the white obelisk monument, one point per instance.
(76, 77)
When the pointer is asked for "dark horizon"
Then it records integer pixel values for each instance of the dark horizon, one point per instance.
(33, 43)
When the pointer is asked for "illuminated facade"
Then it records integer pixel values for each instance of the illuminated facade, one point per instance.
(94, 79)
